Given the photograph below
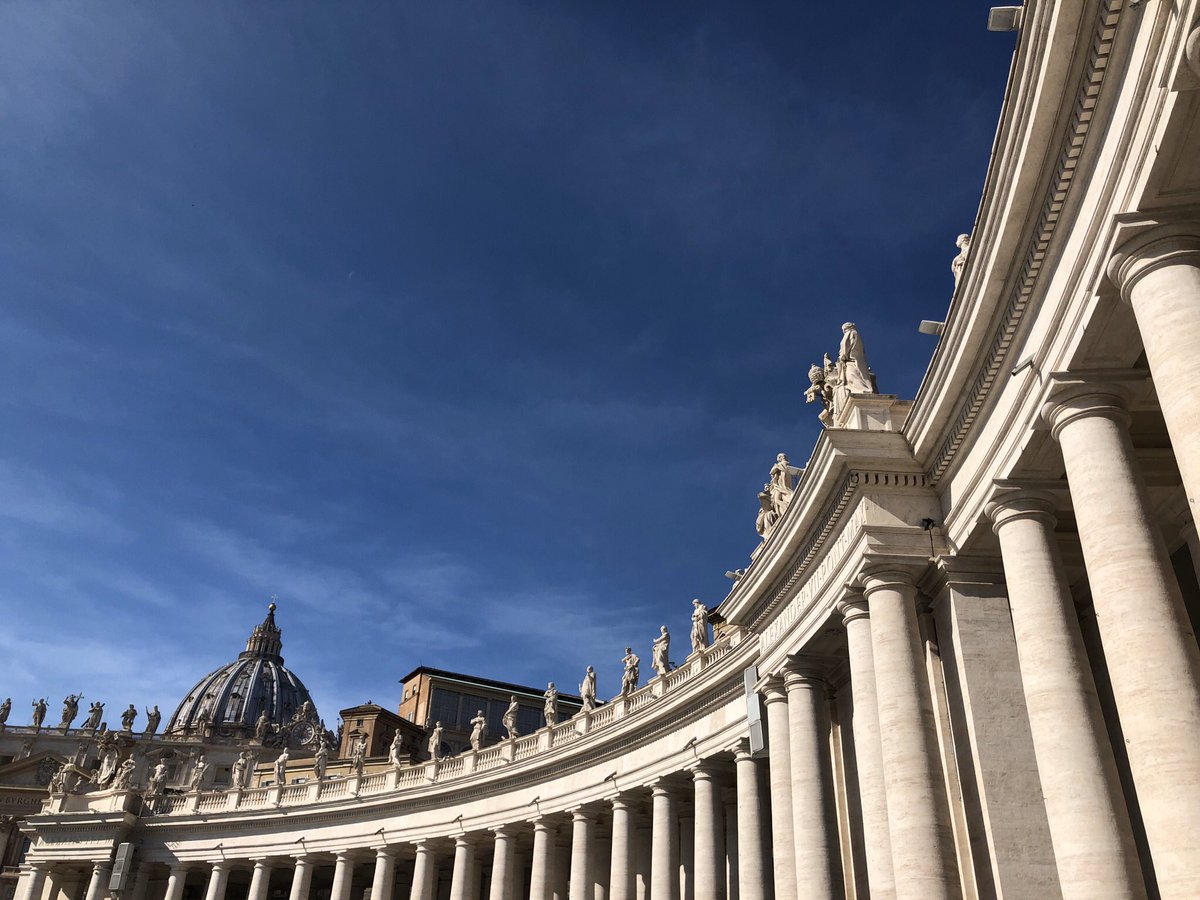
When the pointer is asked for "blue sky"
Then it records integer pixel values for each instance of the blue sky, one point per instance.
(468, 329)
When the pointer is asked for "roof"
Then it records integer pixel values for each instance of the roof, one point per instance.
(487, 683)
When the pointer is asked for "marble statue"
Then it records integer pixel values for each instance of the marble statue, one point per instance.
(158, 780)
(262, 726)
(70, 710)
(764, 524)
(358, 755)
(660, 653)
(202, 719)
(321, 760)
(587, 690)
(478, 730)
(435, 742)
(509, 720)
(128, 717)
(396, 751)
(281, 767)
(963, 242)
(550, 709)
(783, 482)
(852, 357)
(123, 779)
(153, 717)
(5, 709)
(198, 772)
(821, 388)
(632, 672)
(109, 760)
(39, 713)
(240, 773)
(95, 714)
(699, 626)
(58, 780)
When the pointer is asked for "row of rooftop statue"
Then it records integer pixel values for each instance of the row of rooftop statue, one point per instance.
(91, 724)
(660, 661)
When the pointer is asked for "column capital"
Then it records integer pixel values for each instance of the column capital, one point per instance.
(344, 856)
(542, 823)
(704, 770)
(582, 814)
(1081, 395)
(465, 840)
(806, 672)
(1011, 502)
(896, 576)
(852, 606)
(261, 862)
(773, 690)
(222, 865)
(624, 800)
(387, 851)
(741, 751)
(507, 830)
(1168, 244)
(658, 788)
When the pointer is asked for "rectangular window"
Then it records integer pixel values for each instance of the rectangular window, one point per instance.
(443, 707)
(529, 719)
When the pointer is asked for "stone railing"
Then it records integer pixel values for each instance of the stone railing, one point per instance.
(573, 731)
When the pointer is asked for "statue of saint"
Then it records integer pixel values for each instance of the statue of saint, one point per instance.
(435, 742)
(963, 242)
(321, 759)
(358, 755)
(158, 780)
(203, 717)
(660, 653)
(396, 754)
(632, 672)
(240, 773)
(587, 690)
(699, 626)
(550, 708)
(70, 710)
(39, 713)
(478, 730)
(783, 475)
(852, 357)
(509, 720)
(153, 717)
(281, 763)
(767, 517)
(109, 761)
(198, 772)
(123, 780)
(262, 726)
(5, 709)
(128, 717)
(95, 714)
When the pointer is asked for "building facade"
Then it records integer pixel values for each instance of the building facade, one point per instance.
(961, 664)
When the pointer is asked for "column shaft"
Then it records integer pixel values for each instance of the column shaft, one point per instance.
(464, 865)
(343, 875)
(923, 855)
(260, 880)
(1152, 656)
(751, 847)
(664, 845)
(808, 747)
(621, 874)
(218, 878)
(423, 873)
(1089, 825)
(708, 867)
(780, 766)
(383, 882)
(140, 882)
(502, 865)
(177, 878)
(98, 885)
(301, 879)
(34, 881)
(541, 879)
(582, 881)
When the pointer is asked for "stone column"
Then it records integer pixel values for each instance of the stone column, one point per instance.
(686, 866)
(751, 848)
(140, 882)
(260, 880)
(383, 882)
(641, 857)
(868, 750)
(1158, 275)
(176, 878)
(98, 885)
(343, 875)
(464, 865)
(1152, 656)
(621, 874)
(583, 827)
(301, 878)
(218, 878)
(923, 856)
(708, 867)
(34, 881)
(808, 747)
(780, 765)
(423, 873)
(541, 879)
(664, 846)
(1089, 824)
(502, 863)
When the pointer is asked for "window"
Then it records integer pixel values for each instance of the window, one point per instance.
(443, 707)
